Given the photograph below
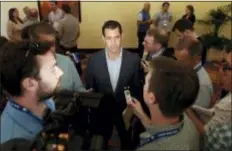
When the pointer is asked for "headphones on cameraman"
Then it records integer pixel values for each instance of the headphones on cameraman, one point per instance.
(34, 44)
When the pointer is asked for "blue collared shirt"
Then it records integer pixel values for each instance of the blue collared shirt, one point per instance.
(114, 67)
(19, 124)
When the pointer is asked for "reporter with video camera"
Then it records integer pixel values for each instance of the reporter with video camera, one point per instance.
(29, 75)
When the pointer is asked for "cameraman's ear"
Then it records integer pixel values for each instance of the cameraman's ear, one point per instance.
(29, 84)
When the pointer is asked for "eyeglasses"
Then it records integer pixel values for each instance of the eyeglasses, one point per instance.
(225, 66)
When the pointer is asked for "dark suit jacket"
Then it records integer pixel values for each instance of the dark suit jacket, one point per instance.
(112, 105)
(192, 18)
(97, 76)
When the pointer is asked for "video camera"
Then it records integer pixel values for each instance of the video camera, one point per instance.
(68, 106)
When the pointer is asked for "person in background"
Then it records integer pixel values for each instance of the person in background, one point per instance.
(162, 19)
(14, 25)
(156, 43)
(143, 24)
(68, 30)
(55, 15)
(188, 51)
(29, 75)
(184, 28)
(167, 94)
(26, 10)
(219, 138)
(3, 41)
(70, 79)
(189, 14)
(32, 18)
(221, 111)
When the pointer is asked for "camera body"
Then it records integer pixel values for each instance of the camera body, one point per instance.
(68, 120)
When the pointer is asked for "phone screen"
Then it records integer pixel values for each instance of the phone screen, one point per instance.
(128, 96)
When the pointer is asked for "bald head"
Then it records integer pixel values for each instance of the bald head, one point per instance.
(146, 6)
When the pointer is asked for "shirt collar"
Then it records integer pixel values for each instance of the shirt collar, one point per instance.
(19, 117)
(159, 128)
(157, 53)
(119, 57)
(197, 66)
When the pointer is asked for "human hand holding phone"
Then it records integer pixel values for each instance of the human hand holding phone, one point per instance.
(144, 64)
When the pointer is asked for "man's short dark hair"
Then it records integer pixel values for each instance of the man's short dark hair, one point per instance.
(165, 3)
(193, 46)
(182, 25)
(229, 47)
(174, 85)
(159, 35)
(40, 28)
(111, 24)
(17, 62)
(66, 8)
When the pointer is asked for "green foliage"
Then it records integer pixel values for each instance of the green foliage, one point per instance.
(217, 19)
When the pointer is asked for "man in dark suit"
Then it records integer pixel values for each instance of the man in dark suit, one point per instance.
(155, 44)
(109, 72)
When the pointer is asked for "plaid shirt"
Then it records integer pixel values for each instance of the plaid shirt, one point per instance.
(219, 138)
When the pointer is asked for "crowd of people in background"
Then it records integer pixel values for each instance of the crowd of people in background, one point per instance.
(171, 91)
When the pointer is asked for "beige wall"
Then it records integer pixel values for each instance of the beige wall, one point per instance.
(94, 14)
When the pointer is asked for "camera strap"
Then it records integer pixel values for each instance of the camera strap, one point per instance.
(159, 135)
(26, 111)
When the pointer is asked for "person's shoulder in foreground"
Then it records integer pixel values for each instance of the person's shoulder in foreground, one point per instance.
(186, 139)
(219, 138)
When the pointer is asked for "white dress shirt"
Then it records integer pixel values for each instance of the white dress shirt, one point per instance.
(114, 67)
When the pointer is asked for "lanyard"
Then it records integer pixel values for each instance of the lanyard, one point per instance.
(22, 109)
(159, 135)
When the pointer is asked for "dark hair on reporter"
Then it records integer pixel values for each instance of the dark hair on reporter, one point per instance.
(174, 85)
(182, 25)
(193, 46)
(111, 24)
(66, 8)
(41, 28)
(17, 62)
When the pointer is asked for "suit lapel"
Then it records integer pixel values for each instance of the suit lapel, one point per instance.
(105, 70)
(123, 68)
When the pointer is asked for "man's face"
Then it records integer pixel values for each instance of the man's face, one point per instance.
(226, 72)
(53, 6)
(112, 40)
(49, 75)
(181, 35)
(183, 56)
(50, 39)
(149, 44)
(147, 7)
(165, 7)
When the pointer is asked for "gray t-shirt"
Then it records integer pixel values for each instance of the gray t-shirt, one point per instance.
(163, 19)
(186, 139)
